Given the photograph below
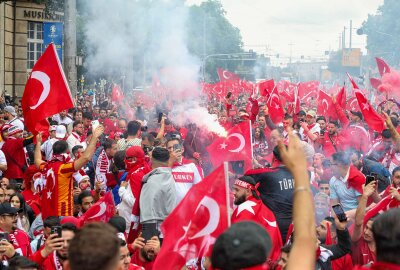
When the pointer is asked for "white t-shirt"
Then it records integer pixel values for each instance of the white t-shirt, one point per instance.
(3, 161)
(47, 148)
(185, 176)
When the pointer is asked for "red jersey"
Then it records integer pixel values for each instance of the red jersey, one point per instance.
(361, 254)
(21, 242)
(15, 155)
(136, 260)
(379, 266)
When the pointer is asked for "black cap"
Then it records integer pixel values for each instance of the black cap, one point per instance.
(248, 179)
(118, 223)
(160, 154)
(244, 244)
(7, 209)
(301, 113)
(359, 114)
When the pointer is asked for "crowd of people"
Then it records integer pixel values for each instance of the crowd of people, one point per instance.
(312, 200)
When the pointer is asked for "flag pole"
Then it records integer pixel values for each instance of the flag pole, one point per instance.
(251, 143)
(226, 175)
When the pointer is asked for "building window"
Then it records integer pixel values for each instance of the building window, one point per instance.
(35, 43)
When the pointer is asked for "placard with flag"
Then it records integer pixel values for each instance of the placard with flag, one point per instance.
(46, 92)
(196, 222)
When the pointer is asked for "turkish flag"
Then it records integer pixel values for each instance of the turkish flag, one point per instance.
(102, 210)
(116, 94)
(384, 205)
(225, 75)
(341, 98)
(371, 117)
(308, 90)
(275, 107)
(382, 66)
(375, 83)
(46, 91)
(325, 106)
(352, 105)
(265, 87)
(355, 86)
(195, 223)
(235, 147)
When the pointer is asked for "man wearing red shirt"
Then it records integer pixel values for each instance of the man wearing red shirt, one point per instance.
(363, 248)
(13, 150)
(145, 251)
(331, 142)
(106, 122)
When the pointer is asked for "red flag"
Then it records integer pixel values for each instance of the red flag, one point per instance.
(352, 105)
(371, 117)
(266, 87)
(355, 86)
(341, 98)
(116, 94)
(308, 90)
(375, 83)
(102, 210)
(235, 147)
(46, 91)
(384, 205)
(193, 226)
(325, 106)
(225, 75)
(382, 66)
(275, 108)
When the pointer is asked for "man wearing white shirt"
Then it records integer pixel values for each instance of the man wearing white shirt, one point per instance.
(11, 116)
(184, 172)
(47, 146)
(62, 118)
(75, 138)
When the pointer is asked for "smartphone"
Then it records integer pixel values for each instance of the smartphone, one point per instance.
(369, 179)
(322, 132)
(56, 230)
(177, 147)
(95, 124)
(337, 208)
(5, 236)
(160, 115)
(149, 230)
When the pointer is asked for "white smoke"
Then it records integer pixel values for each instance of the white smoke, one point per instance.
(127, 37)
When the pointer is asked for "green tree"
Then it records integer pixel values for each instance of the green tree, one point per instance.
(383, 32)
(210, 33)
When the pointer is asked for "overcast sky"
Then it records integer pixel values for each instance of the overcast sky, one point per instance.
(312, 26)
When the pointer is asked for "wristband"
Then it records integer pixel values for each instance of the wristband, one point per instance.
(300, 189)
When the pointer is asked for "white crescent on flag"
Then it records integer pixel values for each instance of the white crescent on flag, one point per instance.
(103, 208)
(45, 81)
(226, 75)
(212, 224)
(242, 142)
(324, 101)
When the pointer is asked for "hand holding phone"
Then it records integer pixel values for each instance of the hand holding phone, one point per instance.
(56, 230)
(95, 124)
(339, 212)
(369, 179)
(178, 147)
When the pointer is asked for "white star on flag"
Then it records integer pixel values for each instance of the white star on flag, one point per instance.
(247, 205)
(365, 106)
(277, 106)
(49, 195)
(223, 145)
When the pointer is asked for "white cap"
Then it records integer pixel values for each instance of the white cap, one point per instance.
(61, 131)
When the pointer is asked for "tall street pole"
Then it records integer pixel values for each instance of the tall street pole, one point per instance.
(70, 45)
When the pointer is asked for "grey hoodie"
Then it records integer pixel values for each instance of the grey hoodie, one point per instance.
(158, 195)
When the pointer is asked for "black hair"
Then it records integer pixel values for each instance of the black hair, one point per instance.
(148, 136)
(119, 159)
(77, 122)
(386, 134)
(69, 227)
(21, 262)
(84, 194)
(395, 170)
(108, 143)
(60, 147)
(160, 154)
(51, 221)
(87, 115)
(386, 232)
(133, 128)
(320, 118)
(342, 158)
(76, 148)
(332, 221)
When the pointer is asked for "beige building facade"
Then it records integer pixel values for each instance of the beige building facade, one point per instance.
(21, 42)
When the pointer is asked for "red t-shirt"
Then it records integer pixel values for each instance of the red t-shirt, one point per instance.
(32, 199)
(136, 260)
(361, 254)
(14, 152)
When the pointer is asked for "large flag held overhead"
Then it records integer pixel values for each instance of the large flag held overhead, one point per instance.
(325, 106)
(275, 107)
(116, 94)
(194, 225)
(371, 117)
(46, 91)
(235, 147)
(382, 66)
(102, 210)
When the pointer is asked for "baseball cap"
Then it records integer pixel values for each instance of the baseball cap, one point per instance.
(244, 244)
(356, 113)
(10, 109)
(301, 113)
(7, 209)
(312, 113)
(61, 131)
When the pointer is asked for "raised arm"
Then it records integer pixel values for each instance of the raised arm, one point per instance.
(38, 153)
(90, 149)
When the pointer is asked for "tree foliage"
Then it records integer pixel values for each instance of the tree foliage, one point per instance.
(210, 33)
(383, 32)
